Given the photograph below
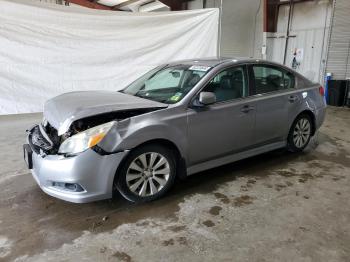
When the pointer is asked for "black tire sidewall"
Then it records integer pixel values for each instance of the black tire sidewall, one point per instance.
(291, 145)
(120, 181)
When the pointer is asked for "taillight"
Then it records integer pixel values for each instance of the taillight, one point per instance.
(321, 90)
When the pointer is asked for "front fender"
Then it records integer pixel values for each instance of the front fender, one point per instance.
(132, 135)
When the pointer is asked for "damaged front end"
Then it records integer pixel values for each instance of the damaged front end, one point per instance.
(63, 151)
(92, 121)
(44, 138)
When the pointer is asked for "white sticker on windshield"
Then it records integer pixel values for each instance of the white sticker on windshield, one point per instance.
(199, 68)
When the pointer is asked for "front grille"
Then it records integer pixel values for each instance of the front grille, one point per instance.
(38, 141)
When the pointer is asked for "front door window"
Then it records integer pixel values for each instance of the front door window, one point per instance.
(228, 84)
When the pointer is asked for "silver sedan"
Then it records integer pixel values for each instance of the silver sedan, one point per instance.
(174, 121)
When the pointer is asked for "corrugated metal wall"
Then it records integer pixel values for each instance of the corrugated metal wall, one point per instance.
(308, 32)
(338, 62)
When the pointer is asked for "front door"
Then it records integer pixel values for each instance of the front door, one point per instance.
(227, 126)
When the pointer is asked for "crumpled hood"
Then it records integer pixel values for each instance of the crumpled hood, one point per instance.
(61, 111)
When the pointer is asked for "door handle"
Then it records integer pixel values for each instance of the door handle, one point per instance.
(247, 108)
(292, 99)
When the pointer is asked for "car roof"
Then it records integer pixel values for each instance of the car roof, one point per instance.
(214, 61)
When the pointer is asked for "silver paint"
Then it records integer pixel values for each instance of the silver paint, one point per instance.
(61, 111)
(204, 137)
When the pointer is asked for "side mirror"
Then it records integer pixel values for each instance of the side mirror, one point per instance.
(207, 98)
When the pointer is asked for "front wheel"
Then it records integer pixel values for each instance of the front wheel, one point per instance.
(147, 174)
(300, 133)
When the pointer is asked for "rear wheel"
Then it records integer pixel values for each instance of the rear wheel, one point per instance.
(300, 133)
(147, 174)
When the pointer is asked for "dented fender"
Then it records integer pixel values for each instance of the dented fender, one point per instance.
(132, 132)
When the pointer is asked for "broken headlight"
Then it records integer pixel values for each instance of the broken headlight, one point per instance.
(84, 140)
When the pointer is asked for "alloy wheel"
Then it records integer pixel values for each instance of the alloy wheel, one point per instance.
(301, 133)
(148, 174)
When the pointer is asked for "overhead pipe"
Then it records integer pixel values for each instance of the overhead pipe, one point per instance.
(265, 17)
(291, 6)
(220, 30)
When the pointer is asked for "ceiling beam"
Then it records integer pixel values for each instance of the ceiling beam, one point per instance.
(93, 5)
(175, 5)
(128, 2)
(294, 2)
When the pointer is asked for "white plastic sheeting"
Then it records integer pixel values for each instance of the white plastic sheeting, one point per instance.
(46, 50)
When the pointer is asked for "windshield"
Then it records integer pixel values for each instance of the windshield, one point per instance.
(167, 85)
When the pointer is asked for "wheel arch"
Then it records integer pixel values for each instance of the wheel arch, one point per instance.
(313, 120)
(180, 160)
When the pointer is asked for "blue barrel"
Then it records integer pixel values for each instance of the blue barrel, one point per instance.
(327, 78)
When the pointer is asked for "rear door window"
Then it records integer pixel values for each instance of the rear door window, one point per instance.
(270, 79)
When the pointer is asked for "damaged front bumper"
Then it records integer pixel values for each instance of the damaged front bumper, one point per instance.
(83, 178)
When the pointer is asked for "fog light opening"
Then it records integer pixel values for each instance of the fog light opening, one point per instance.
(72, 187)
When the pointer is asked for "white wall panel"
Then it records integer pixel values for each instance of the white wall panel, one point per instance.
(242, 26)
(47, 50)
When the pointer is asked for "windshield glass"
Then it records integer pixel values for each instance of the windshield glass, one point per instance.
(168, 84)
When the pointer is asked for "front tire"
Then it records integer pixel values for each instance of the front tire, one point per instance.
(147, 174)
(300, 133)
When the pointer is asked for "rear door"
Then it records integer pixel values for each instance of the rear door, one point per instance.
(226, 126)
(274, 99)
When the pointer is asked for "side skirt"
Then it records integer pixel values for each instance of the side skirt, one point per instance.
(234, 157)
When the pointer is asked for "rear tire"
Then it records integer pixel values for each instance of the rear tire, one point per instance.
(300, 133)
(147, 174)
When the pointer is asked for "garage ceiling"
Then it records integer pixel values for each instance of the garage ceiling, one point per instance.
(134, 5)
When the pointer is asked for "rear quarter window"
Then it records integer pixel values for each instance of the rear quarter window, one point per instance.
(303, 82)
(289, 80)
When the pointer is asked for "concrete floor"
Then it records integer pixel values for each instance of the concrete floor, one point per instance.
(274, 207)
